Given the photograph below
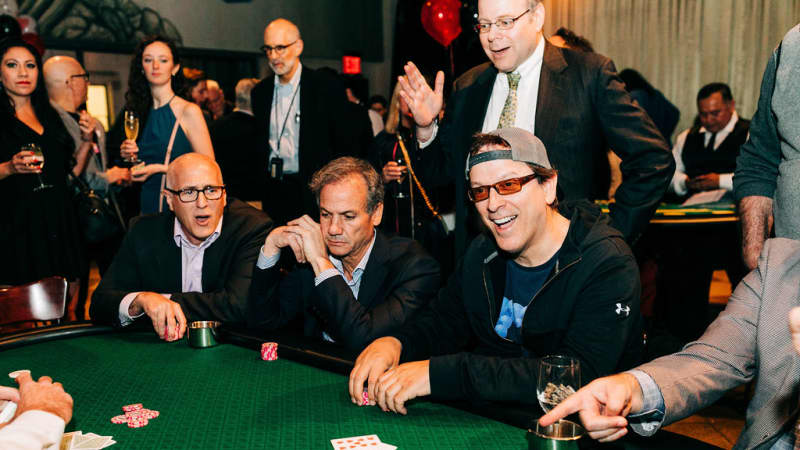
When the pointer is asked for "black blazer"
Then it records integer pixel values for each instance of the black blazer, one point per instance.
(149, 260)
(399, 279)
(242, 160)
(582, 111)
(325, 131)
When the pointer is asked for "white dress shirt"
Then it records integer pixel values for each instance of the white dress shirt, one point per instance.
(33, 430)
(191, 268)
(527, 96)
(679, 179)
(284, 141)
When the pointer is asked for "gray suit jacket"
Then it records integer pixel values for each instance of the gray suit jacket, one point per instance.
(749, 339)
(95, 172)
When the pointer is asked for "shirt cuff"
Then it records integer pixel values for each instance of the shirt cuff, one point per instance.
(433, 136)
(726, 181)
(648, 420)
(679, 184)
(126, 319)
(266, 262)
(33, 429)
(324, 275)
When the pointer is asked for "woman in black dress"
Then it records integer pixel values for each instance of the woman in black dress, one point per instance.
(39, 233)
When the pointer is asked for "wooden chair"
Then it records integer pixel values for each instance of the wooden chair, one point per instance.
(43, 300)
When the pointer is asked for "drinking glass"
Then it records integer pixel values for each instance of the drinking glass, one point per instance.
(131, 130)
(401, 162)
(559, 377)
(36, 161)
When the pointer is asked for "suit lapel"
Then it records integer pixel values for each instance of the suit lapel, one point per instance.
(169, 265)
(477, 100)
(306, 95)
(375, 272)
(212, 257)
(552, 96)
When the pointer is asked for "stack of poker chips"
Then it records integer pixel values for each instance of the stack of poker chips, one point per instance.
(269, 351)
(136, 416)
(365, 398)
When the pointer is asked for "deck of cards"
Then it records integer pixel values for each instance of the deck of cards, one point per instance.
(367, 441)
(89, 441)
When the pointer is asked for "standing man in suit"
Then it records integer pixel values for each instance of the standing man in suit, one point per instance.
(235, 139)
(302, 118)
(194, 262)
(573, 101)
(356, 284)
(749, 340)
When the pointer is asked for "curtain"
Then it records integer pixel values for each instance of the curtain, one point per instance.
(681, 45)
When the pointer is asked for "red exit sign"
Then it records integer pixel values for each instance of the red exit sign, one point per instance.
(351, 65)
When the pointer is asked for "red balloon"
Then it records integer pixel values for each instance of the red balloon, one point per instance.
(35, 41)
(441, 19)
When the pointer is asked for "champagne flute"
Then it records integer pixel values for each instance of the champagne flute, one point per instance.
(131, 131)
(559, 377)
(36, 161)
(401, 162)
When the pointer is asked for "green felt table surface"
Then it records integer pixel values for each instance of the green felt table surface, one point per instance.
(226, 397)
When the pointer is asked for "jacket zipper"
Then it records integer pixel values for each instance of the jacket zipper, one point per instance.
(547, 282)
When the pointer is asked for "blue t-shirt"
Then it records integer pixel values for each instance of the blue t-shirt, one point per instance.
(522, 283)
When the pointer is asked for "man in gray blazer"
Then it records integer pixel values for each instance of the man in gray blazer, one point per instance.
(750, 339)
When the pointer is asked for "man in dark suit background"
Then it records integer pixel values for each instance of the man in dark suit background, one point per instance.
(573, 101)
(193, 263)
(303, 123)
(353, 283)
(236, 147)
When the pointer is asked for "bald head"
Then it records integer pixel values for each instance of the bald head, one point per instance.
(193, 162)
(66, 84)
(282, 28)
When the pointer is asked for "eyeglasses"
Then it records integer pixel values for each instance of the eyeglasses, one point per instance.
(189, 195)
(85, 76)
(279, 49)
(503, 23)
(505, 187)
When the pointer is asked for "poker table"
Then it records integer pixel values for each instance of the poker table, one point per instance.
(677, 214)
(227, 397)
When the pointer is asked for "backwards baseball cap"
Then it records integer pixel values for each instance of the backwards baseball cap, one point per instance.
(525, 147)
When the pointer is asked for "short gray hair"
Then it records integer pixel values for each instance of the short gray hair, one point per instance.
(341, 168)
(243, 89)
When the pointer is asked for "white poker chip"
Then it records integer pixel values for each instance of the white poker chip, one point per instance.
(13, 375)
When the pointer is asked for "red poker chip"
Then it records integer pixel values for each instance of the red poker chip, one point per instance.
(133, 407)
(119, 419)
(269, 351)
(137, 423)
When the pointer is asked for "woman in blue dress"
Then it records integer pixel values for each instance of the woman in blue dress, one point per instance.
(154, 80)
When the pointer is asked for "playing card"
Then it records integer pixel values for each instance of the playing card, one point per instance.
(367, 441)
(92, 441)
(66, 440)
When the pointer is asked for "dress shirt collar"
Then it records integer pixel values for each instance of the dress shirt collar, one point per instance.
(293, 82)
(531, 65)
(728, 128)
(362, 265)
(180, 237)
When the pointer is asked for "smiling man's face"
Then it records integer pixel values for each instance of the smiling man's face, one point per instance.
(507, 49)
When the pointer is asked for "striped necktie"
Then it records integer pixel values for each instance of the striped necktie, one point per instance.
(509, 114)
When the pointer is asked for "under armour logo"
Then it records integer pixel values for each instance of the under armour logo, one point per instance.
(623, 309)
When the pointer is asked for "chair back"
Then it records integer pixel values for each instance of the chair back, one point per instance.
(42, 300)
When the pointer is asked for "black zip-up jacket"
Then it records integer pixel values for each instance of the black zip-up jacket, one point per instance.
(587, 308)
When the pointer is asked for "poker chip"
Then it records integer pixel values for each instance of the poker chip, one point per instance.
(133, 407)
(136, 415)
(119, 419)
(269, 351)
(138, 422)
(364, 398)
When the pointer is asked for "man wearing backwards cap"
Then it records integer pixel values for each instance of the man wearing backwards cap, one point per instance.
(546, 279)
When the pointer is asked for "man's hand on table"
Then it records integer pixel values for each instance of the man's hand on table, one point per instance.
(379, 356)
(43, 395)
(705, 182)
(602, 406)
(402, 383)
(166, 315)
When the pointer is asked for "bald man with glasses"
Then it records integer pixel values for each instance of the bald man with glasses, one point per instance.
(545, 279)
(193, 262)
(303, 123)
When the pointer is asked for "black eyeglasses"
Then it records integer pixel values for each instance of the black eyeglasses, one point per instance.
(279, 49)
(503, 23)
(85, 76)
(505, 187)
(189, 195)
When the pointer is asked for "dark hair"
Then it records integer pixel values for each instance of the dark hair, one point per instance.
(377, 99)
(39, 100)
(574, 41)
(341, 168)
(482, 140)
(709, 89)
(635, 81)
(138, 98)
